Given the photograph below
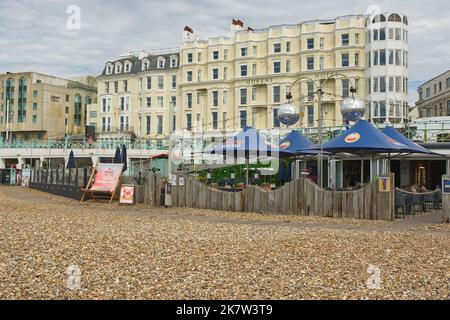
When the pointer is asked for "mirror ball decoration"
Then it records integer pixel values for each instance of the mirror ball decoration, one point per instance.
(352, 109)
(289, 114)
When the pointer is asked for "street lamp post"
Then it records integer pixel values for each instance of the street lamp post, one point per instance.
(171, 129)
(319, 93)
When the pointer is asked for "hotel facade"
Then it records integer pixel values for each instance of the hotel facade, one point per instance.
(226, 83)
(35, 106)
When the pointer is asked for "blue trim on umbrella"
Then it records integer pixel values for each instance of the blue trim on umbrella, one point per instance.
(394, 134)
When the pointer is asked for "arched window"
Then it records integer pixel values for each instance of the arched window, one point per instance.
(379, 18)
(161, 62)
(405, 20)
(77, 110)
(395, 18)
(145, 64)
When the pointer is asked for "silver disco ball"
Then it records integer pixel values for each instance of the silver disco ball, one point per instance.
(352, 109)
(289, 114)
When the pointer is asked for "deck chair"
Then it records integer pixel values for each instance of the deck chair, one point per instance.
(103, 182)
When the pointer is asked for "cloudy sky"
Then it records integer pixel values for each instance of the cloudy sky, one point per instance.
(34, 35)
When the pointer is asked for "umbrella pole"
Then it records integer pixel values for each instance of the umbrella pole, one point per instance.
(246, 173)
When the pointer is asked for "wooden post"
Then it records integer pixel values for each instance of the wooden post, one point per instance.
(445, 204)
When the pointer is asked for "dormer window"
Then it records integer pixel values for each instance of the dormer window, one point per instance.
(109, 69)
(161, 62)
(145, 64)
(118, 68)
(128, 67)
(173, 62)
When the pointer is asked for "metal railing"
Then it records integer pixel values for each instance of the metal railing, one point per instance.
(113, 143)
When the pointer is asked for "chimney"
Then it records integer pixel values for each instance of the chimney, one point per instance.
(188, 34)
(236, 25)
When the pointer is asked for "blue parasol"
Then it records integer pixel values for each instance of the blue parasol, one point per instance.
(296, 143)
(71, 161)
(394, 134)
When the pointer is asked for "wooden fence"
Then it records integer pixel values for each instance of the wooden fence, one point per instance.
(299, 197)
(68, 183)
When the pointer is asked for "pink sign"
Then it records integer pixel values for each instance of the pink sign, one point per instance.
(106, 177)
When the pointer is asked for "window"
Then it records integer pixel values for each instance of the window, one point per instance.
(382, 84)
(288, 46)
(382, 57)
(310, 115)
(116, 86)
(243, 96)
(356, 59)
(398, 34)
(243, 118)
(321, 63)
(174, 82)
(276, 94)
(276, 47)
(199, 75)
(321, 42)
(288, 65)
(173, 62)
(375, 84)
(276, 67)
(148, 122)
(225, 54)
(160, 102)
(122, 103)
(243, 70)
(199, 57)
(391, 57)
(127, 67)
(35, 106)
(189, 121)
(310, 43)
(254, 93)
(144, 65)
(215, 55)
(356, 38)
(198, 97)
(160, 124)
(35, 94)
(382, 34)
(215, 119)
(448, 108)
(189, 57)
(255, 51)
(345, 39)
(225, 97)
(125, 85)
(375, 35)
(398, 86)
(254, 69)
(276, 120)
(215, 98)
(160, 82)
(189, 100)
(149, 83)
(189, 76)
(310, 89)
(224, 120)
(149, 102)
(106, 88)
(391, 33)
(215, 73)
(77, 110)
(310, 63)
(448, 83)
(173, 101)
(375, 58)
(391, 84)
(345, 60)
(397, 57)
(244, 52)
(34, 118)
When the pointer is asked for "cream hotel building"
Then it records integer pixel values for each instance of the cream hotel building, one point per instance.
(226, 83)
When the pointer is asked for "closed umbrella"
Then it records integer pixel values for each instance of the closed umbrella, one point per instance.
(117, 156)
(71, 161)
(124, 158)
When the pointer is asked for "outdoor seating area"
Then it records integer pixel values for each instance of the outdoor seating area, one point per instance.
(409, 204)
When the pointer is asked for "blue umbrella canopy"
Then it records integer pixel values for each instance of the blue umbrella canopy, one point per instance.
(248, 141)
(363, 138)
(394, 134)
(124, 158)
(296, 143)
(71, 161)
(117, 156)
